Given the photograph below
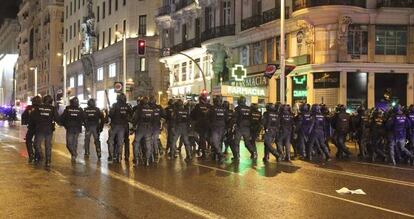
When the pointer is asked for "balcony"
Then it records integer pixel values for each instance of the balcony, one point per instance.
(186, 45)
(396, 4)
(182, 4)
(301, 4)
(164, 10)
(215, 32)
(265, 17)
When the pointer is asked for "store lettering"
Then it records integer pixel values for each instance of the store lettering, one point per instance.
(247, 91)
(300, 93)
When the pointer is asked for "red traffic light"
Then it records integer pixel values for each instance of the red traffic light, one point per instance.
(141, 47)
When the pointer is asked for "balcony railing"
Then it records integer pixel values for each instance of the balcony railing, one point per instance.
(164, 10)
(252, 21)
(301, 4)
(182, 4)
(396, 4)
(267, 16)
(226, 30)
(186, 45)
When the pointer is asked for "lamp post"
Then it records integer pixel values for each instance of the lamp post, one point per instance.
(35, 87)
(64, 77)
(124, 62)
(282, 52)
(159, 97)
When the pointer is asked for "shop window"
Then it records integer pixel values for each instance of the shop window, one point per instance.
(357, 89)
(190, 70)
(112, 70)
(99, 74)
(207, 65)
(257, 53)
(391, 40)
(80, 80)
(270, 50)
(72, 82)
(390, 88)
(197, 73)
(176, 73)
(184, 71)
(358, 40)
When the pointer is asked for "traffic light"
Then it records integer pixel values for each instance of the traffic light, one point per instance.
(204, 92)
(141, 47)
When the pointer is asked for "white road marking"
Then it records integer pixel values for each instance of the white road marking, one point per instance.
(153, 191)
(360, 203)
(217, 169)
(386, 166)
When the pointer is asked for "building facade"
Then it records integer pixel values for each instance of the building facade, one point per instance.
(39, 40)
(9, 31)
(344, 52)
(93, 36)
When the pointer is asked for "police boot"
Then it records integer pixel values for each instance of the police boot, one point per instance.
(236, 158)
(265, 158)
(47, 163)
(147, 162)
(87, 152)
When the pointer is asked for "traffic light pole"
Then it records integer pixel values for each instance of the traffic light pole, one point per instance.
(124, 63)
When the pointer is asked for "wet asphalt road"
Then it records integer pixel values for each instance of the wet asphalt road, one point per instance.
(203, 189)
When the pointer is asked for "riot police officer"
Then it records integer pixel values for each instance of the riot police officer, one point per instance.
(228, 138)
(361, 126)
(377, 135)
(218, 118)
(271, 126)
(410, 116)
(341, 123)
(317, 134)
(156, 126)
(120, 115)
(398, 124)
(143, 121)
(200, 117)
(44, 117)
(72, 120)
(242, 117)
(181, 120)
(303, 127)
(255, 124)
(36, 101)
(169, 121)
(93, 119)
(286, 129)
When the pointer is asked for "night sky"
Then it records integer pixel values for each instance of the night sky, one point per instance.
(8, 9)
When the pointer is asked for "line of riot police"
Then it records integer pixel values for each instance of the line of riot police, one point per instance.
(205, 129)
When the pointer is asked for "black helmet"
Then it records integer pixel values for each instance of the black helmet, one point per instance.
(48, 100)
(121, 98)
(152, 100)
(270, 107)
(170, 102)
(254, 106)
(316, 108)
(286, 108)
(411, 108)
(361, 110)
(303, 108)
(226, 104)
(74, 101)
(36, 100)
(241, 101)
(202, 99)
(179, 104)
(218, 100)
(92, 102)
(144, 100)
(342, 108)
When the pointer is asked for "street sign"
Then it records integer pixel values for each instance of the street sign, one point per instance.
(118, 86)
(270, 70)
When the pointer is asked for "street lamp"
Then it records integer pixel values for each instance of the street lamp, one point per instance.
(63, 55)
(159, 97)
(282, 51)
(123, 58)
(35, 71)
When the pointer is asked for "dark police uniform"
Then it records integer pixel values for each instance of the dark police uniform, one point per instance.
(143, 120)
(72, 120)
(93, 120)
(120, 115)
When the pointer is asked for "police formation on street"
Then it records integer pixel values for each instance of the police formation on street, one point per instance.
(208, 130)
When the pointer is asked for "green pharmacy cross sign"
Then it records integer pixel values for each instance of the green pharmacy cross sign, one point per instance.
(239, 73)
(300, 80)
(300, 84)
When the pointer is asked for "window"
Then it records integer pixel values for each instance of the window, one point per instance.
(74, 6)
(176, 73)
(72, 82)
(97, 13)
(67, 12)
(103, 39)
(270, 50)
(70, 32)
(71, 8)
(109, 36)
(97, 40)
(184, 33)
(358, 39)
(80, 80)
(244, 56)
(124, 2)
(190, 70)
(226, 12)
(184, 71)
(207, 65)
(209, 18)
(66, 34)
(78, 4)
(391, 40)
(257, 7)
(124, 26)
(112, 95)
(116, 30)
(74, 29)
(197, 73)
(109, 7)
(99, 74)
(112, 70)
(116, 5)
(142, 29)
(142, 64)
(100, 99)
(257, 53)
(103, 10)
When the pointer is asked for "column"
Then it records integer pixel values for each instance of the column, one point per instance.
(271, 89)
(342, 88)
(310, 89)
(288, 92)
(410, 91)
(371, 89)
